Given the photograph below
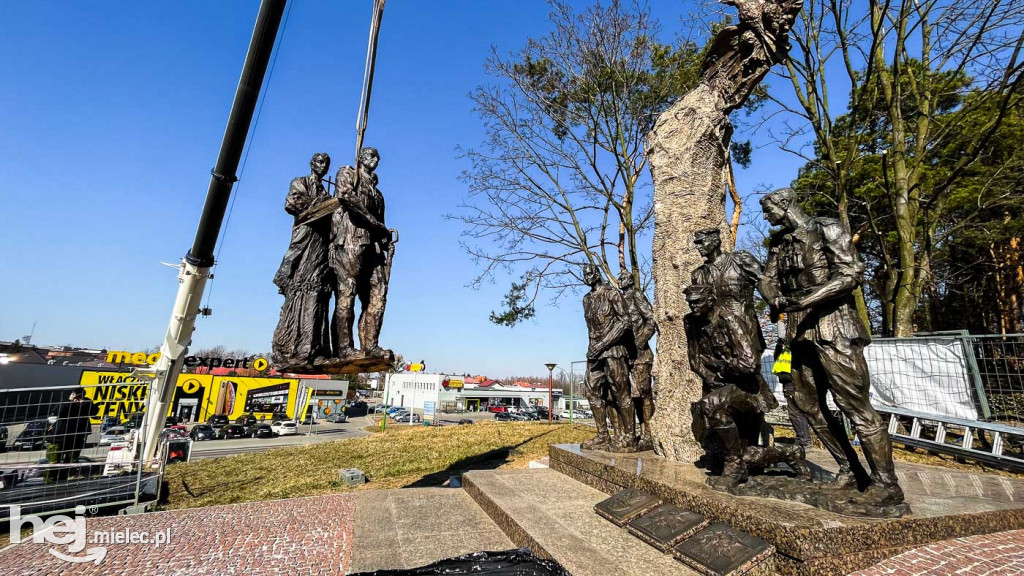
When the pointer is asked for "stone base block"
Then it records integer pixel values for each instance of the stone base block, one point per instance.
(945, 504)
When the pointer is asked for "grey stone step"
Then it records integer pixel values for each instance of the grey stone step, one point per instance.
(414, 527)
(554, 516)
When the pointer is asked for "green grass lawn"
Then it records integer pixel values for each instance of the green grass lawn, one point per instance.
(403, 456)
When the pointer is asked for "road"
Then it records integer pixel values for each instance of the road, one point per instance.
(321, 432)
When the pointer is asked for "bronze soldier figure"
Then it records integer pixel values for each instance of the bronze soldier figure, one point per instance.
(302, 335)
(725, 346)
(641, 315)
(811, 273)
(359, 257)
(608, 365)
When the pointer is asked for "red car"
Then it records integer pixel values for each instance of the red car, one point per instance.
(497, 408)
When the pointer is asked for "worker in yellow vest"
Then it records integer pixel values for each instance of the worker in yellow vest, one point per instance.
(781, 369)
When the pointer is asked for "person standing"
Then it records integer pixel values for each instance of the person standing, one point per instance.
(70, 433)
(302, 336)
(782, 369)
(811, 273)
(641, 315)
(607, 389)
(359, 253)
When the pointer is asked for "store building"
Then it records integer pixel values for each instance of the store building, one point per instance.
(451, 393)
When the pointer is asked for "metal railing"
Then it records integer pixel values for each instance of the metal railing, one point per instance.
(66, 446)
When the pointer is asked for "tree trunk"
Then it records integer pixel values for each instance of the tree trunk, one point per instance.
(688, 154)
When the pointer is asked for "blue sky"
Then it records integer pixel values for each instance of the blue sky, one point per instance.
(112, 115)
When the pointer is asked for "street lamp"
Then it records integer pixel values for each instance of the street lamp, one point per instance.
(551, 370)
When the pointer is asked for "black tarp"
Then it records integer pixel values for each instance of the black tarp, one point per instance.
(508, 563)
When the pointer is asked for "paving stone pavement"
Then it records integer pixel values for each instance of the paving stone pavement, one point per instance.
(300, 536)
(383, 529)
(1000, 554)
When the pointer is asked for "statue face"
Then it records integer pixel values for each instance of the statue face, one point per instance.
(707, 242)
(591, 275)
(369, 158)
(625, 281)
(320, 164)
(698, 298)
(775, 206)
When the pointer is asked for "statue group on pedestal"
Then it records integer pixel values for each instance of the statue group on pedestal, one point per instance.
(346, 255)
(810, 276)
(620, 323)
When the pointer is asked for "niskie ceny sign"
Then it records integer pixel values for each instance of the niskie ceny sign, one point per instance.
(143, 359)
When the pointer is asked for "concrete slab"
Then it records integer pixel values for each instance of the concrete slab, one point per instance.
(554, 516)
(416, 526)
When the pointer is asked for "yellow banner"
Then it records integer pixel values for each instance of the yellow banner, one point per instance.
(114, 394)
(197, 396)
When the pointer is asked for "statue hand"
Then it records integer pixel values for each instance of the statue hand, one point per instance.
(791, 304)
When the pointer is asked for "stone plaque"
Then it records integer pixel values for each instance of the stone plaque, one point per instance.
(718, 550)
(666, 526)
(626, 505)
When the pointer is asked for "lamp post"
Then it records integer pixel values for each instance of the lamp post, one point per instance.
(551, 370)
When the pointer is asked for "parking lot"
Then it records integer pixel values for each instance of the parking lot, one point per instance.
(322, 431)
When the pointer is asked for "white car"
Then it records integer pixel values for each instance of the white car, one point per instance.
(285, 428)
(112, 435)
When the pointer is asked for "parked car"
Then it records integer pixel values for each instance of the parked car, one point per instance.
(33, 437)
(284, 428)
(406, 416)
(109, 422)
(229, 432)
(503, 416)
(168, 433)
(496, 408)
(309, 420)
(202, 432)
(337, 417)
(542, 413)
(246, 420)
(264, 431)
(356, 408)
(218, 420)
(394, 409)
(115, 434)
(134, 422)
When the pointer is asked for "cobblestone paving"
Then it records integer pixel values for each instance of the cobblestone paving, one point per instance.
(990, 555)
(300, 536)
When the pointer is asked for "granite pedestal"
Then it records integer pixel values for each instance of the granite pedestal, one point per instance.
(945, 504)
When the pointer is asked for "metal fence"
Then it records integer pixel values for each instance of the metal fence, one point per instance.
(951, 392)
(65, 446)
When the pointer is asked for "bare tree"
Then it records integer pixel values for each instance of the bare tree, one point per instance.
(562, 178)
(907, 65)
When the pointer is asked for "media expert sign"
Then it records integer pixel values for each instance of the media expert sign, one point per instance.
(143, 359)
(114, 394)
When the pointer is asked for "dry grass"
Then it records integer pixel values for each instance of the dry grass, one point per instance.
(400, 457)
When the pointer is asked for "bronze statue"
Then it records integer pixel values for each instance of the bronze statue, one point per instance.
(611, 335)
(360, 255)
(350, 253)
(725, 346)
(811, 274)
(641, 315)
(302, 337)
